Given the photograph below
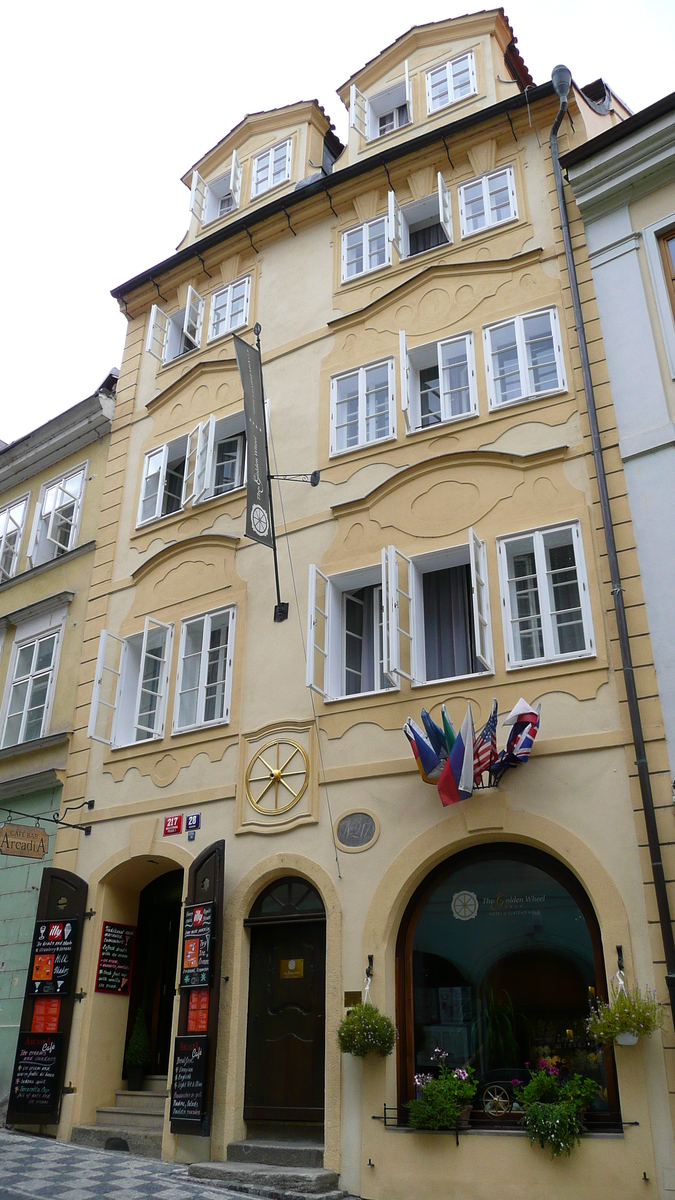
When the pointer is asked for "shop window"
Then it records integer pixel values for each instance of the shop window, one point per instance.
(450, 82)
(438, 382)
(58, 517)
(272, 167)
(363, 408)
(523, 358)
(545, 600)
(373, 116)
(488, 201)
(500, 959)
(12, 518)
(220, 196)
(205, 670)
(128, 702)
(174, 334)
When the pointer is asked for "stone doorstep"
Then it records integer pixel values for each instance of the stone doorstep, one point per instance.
(144, 1142)
(276, 1182)
(131, 1118)
(156, 1083)
(147, 1102)
(276, 1153)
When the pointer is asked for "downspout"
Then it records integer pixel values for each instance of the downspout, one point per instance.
(562, 81)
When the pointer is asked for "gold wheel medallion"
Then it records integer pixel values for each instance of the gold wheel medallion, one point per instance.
(276, 778)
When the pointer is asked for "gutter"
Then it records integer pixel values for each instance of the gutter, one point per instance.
(562, 81)
(327, 183)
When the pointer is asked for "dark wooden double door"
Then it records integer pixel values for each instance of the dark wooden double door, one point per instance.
(286, 1022)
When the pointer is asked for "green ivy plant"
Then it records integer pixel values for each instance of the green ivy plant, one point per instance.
(139, 1050)
(365, 1030)
(442, 1100)
(630, 1010)
(553, 1108)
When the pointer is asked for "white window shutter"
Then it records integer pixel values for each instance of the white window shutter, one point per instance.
(190, 465)
(394, 225)
(247, 299)
(400, 616)
(481, 601)
(198, 193)
(472, 69)
(405, 388)
(106, 676)
(385, 615)
(158, 332)
(512, 192)
(316, 644)
(204, 459)
(358, 111)
(445, 207)
(392, 397)
(408, 91)
(194, 316)
(156, 729)
(235, 179)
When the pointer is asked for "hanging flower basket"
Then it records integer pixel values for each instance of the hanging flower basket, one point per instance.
(365, 1030)
(631, 1013)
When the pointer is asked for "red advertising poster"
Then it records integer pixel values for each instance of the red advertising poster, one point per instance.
(173, 824)
(46, 1014)
(198, 1011)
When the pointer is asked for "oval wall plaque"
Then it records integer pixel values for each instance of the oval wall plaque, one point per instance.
(356, 831)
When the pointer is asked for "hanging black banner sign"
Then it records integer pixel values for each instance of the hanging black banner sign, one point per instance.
(259, 525)
(35, 1083)
(195, 967)
(189, 1074)
(52, 958)
(116, 958)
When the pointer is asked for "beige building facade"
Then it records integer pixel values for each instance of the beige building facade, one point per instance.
(418, 348)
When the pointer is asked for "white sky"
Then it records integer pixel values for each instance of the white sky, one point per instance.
(107, 104)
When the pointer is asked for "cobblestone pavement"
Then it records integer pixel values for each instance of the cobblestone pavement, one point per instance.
(36, 1168)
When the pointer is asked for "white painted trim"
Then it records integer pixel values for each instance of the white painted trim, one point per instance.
(650, 235)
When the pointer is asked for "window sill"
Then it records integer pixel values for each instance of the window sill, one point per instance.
(417, 683)
(361, 695)
(275, 188)
(219, 337)
(550, 662)
(196, 728)
(495, 408)
(474, 233)
(371, 270)
(334, 454)
(31, 572)
(181, 513)
(470, 416)
(443, 108)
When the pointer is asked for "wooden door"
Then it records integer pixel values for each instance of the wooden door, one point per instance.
(153, 982)
(286, 1018)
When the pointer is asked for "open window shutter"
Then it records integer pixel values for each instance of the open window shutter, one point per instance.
(198, 196)
(394, 226)
(445, 207)
(481, 602)
(158, 332)
(408, 91)
(106, 687)
(157, 728)
(385, 614)
(190, 465)
(358, 111)
(204, 458)
(317, 632)
(403, 365)
(194, 315)
(235, 179)
(400, 616)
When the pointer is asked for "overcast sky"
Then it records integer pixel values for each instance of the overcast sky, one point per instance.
(106, 105)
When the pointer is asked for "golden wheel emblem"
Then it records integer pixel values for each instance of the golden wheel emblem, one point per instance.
(277, 776)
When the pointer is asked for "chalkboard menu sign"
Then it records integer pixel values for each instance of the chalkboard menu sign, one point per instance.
(52, 958)
(116, 958)
(35, 1084)
(197, 936)
(189, 1074)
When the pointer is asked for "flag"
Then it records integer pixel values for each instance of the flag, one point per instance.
(461, 757)
(435, 735)
(524, 722)
(485, 746)
(447, 787)
(428, 763)
(450, 734)
(258, 501)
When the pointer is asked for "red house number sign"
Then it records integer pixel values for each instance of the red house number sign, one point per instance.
(173, 825)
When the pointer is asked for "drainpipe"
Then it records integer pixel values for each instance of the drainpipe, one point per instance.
(562, 81)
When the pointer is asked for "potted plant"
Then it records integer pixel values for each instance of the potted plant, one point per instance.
(138, 1054)
(630, 1012)
(443, 1102)
(553, 1107)
(365, 1030)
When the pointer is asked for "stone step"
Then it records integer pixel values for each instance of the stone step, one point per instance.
(131, 1118)
(152, 1102)
(156, 1083)
(274, 1182)
(276, 1153)
(143, 1142)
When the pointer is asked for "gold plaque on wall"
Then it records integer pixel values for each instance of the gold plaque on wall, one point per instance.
(277, 785)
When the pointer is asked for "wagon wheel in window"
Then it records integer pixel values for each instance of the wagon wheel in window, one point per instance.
(496, 1100)
(276, 777)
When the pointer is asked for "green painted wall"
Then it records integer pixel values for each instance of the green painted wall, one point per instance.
(19, 890)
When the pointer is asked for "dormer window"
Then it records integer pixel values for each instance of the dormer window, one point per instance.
(271, 168)
(220, 196)
(170, 336)
(393, 120)
(373, 116)
(450, 82)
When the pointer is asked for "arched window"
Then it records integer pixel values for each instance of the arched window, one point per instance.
(499, 957)
(287, 899)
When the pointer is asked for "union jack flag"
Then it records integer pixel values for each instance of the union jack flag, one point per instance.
(485, 746)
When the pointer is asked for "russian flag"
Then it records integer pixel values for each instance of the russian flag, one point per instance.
(461, 757)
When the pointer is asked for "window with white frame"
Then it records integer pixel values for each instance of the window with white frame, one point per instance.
(487, 201)
(545, 600)
(57, 518)
(30, 689)
(128, 702)
(215, 458)
(162, 481)
(205, 670)
(365, 248)
(523, 358)
(374, 116)
(172, 335)
(451, 81)
(363, 406)
(438, 381)
(422, 619)
(219, 196)
(229, 308)
(271, 167)
(422, 225)
(12, 518)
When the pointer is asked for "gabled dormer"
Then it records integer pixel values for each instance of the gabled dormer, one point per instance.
(429, 77)
(266, 154)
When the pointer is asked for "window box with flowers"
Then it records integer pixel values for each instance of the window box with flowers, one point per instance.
(553, 1107)
(445, 1101)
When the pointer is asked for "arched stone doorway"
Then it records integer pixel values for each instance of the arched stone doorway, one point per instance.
(153, 980)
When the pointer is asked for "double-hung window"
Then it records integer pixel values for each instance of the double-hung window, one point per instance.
(215, 458)
(272, 167)
(363, 406)
(346, 630)
(374, 116)
(523, 358)
(12, 519)
(172, 335)
(205, 670)
(31, 689)
(220, 196)
(438, 382)
(451, 81)
(487, 201)
(365, 248)
(162, 481)
(229, 308)
(128, 702)
(545, 601)
(58, 517)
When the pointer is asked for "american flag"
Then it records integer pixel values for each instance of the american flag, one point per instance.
(485, 746)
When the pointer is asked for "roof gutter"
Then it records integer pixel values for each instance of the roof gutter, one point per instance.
(327, 183)
(562, 81)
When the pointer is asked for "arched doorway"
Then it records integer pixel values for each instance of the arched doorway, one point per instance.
(498, 959)
(285, 1042)
(153, 980)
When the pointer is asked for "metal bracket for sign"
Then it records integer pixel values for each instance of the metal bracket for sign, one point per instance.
(80, 996)
(91, 913)
(313, 479)
(68, 1091)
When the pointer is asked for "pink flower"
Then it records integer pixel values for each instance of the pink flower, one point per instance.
(515, 1082)
(460, 1074)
